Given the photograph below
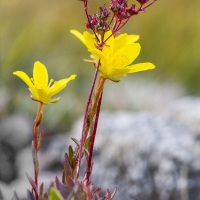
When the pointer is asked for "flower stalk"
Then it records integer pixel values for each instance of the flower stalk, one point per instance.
(37, 137)
(93, 134)
(42, 90)
(85, 127)
(90, 126)
(110, 62)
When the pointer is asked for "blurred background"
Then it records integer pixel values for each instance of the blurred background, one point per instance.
(33, 30)
(39, 30)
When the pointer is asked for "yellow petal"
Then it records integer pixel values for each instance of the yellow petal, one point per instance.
(132, 38)
(110, 42)
(125, 55)
(115, 74)
(24, 77)
(101, 55)
(34, 92)
(54, 100)
(40, 75)
(90, 41)
(59, 85)
(106, 67)
(79, 36)
(124, 39)
(39, 95)
(42, 96)
(86, 38)
(140, 67)
(42, 93)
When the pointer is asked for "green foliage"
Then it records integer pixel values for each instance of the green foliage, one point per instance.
(55, 195)
(171, 38)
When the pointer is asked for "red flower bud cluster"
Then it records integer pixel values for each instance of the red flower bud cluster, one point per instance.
(121, 13)
(121, 10)
(97, 22)
(142, 2)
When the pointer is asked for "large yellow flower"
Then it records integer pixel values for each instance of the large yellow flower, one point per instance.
(117, 54)
(39, 87)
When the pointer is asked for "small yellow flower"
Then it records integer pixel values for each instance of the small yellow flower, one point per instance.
(39, 87)
(117, 54)
(87, 38)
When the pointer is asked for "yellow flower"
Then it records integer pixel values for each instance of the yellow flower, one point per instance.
(39, 87)
(87, 38)
(117, 54)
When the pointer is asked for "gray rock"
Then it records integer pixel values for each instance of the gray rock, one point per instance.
(24, 164)
(141, 95)
(16, 131)
(55, 146)
(146, 156)
(8, 170)
(186, 111)
(14, 135)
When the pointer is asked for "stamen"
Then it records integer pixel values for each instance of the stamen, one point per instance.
(51, 81)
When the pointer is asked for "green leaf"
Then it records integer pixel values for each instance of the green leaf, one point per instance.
(41, 190)
(71, 153)
(87, 142)
(79, 194)
(55, 194)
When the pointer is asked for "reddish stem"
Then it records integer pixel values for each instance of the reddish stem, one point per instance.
(36, 124)
(150, 4)
(91, 147)
(36, 144)
(87, 15)
(83, 136)
(120, 27)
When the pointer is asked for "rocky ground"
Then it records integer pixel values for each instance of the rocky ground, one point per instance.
(148, 146)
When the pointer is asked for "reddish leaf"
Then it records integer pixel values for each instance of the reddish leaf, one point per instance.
(76, 142)
(96, 192)
(114, 192)
(67, 166)
(69, 183)
(110, 195)
(30, 195)
(32, 182)
(45, 196)
(62, 188)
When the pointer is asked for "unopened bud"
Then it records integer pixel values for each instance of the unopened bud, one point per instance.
(142, 1)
